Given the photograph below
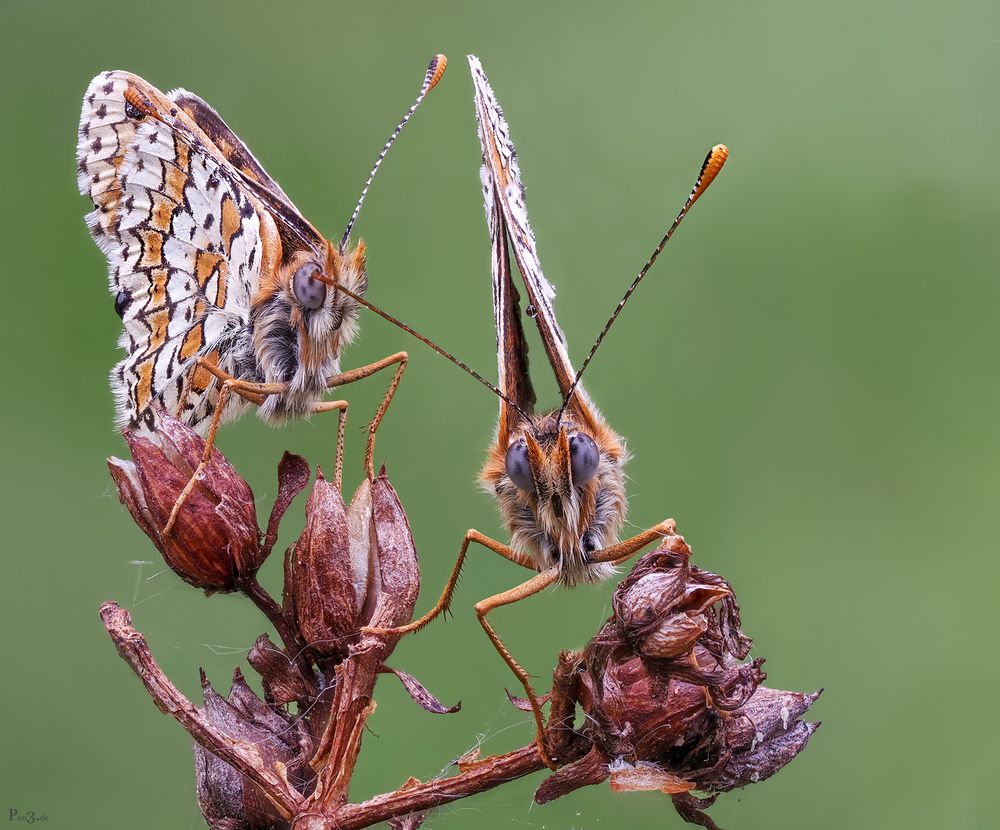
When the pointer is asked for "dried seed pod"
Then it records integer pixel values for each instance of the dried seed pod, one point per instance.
(396, 558)
(224, 793)
(215, 541)
(637, 711)
(280, 676)
(665, 606)
(763, 737)
(351, 567)
(322, 578)
(668, 704)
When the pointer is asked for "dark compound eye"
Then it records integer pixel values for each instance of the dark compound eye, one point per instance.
(121, 300)
(308, 291)
(584, 458)
(518, 468)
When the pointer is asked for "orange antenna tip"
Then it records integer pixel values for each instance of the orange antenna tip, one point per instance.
(709, 170)
(435, 70)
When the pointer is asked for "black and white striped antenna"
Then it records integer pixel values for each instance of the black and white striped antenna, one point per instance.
(425, 340)
(709, 170)
(434, 72)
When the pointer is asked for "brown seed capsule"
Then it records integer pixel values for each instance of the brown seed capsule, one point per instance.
(652, 730)
(664, 613)
(665, 606)
(762, 737)
(280, 676)
(223, 793)
(637, 711)
(215, 541)
(325, 586)
(396, 555)
(669, 703)
(351, 567)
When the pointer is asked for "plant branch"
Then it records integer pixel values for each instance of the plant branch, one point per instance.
(241, 755)
(476, 776)
(353, 704)
(416, 797)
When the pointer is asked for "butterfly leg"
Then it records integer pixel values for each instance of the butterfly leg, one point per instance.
(616, 553)
(532, 586)
(253, 392)
(338, 464)
(444, 601)
(203, 363)
(621, 551)
(523, 591)
(399, 360)
(256, 397)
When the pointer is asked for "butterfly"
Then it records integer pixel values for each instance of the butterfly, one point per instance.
(558, 474)
(217, 277)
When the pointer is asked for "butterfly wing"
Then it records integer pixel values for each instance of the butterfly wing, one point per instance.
(295, 232)
(186, 244)
(512, 347)
(224, 139)
(507, 217)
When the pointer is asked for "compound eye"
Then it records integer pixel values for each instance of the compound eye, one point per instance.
(584, 458)
(308, 291)
(518, 468)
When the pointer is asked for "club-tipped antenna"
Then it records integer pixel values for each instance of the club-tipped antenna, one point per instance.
(435, 69)
(426, 341)
(709, 170)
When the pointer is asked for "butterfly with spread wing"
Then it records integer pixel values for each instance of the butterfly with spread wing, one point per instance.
(217, 277)
(557, 475)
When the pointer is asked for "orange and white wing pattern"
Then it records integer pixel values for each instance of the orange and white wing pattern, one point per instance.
(507, 217)
(293, 229)
(185, 244)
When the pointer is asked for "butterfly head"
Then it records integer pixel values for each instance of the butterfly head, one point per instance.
(302, 322)
(561, 488)
(317, 310)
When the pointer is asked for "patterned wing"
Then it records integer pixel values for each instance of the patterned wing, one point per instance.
(295, 232)
(512, 347)
(224, 139)
(507, 216)
(185, 244)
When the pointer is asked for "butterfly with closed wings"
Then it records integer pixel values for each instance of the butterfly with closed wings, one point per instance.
(217, 277)
(557, 475)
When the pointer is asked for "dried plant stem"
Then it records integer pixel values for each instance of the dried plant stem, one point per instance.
(476, 776)
(241, 755)
(340, 744)
(482, 776)
(328, 809)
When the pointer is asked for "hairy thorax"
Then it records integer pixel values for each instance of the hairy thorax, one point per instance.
(300, 347)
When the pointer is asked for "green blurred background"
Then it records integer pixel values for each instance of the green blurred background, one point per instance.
(807, 381)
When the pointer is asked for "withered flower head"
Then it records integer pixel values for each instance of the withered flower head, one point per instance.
(638, 712)
(224, 794)
(764, 735)
(669, 704)
(215, 540)
(352, 566)
(666, 605)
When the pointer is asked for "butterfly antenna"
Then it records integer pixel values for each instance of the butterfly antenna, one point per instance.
(426, 341)
(709, 170)
(434, 72)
